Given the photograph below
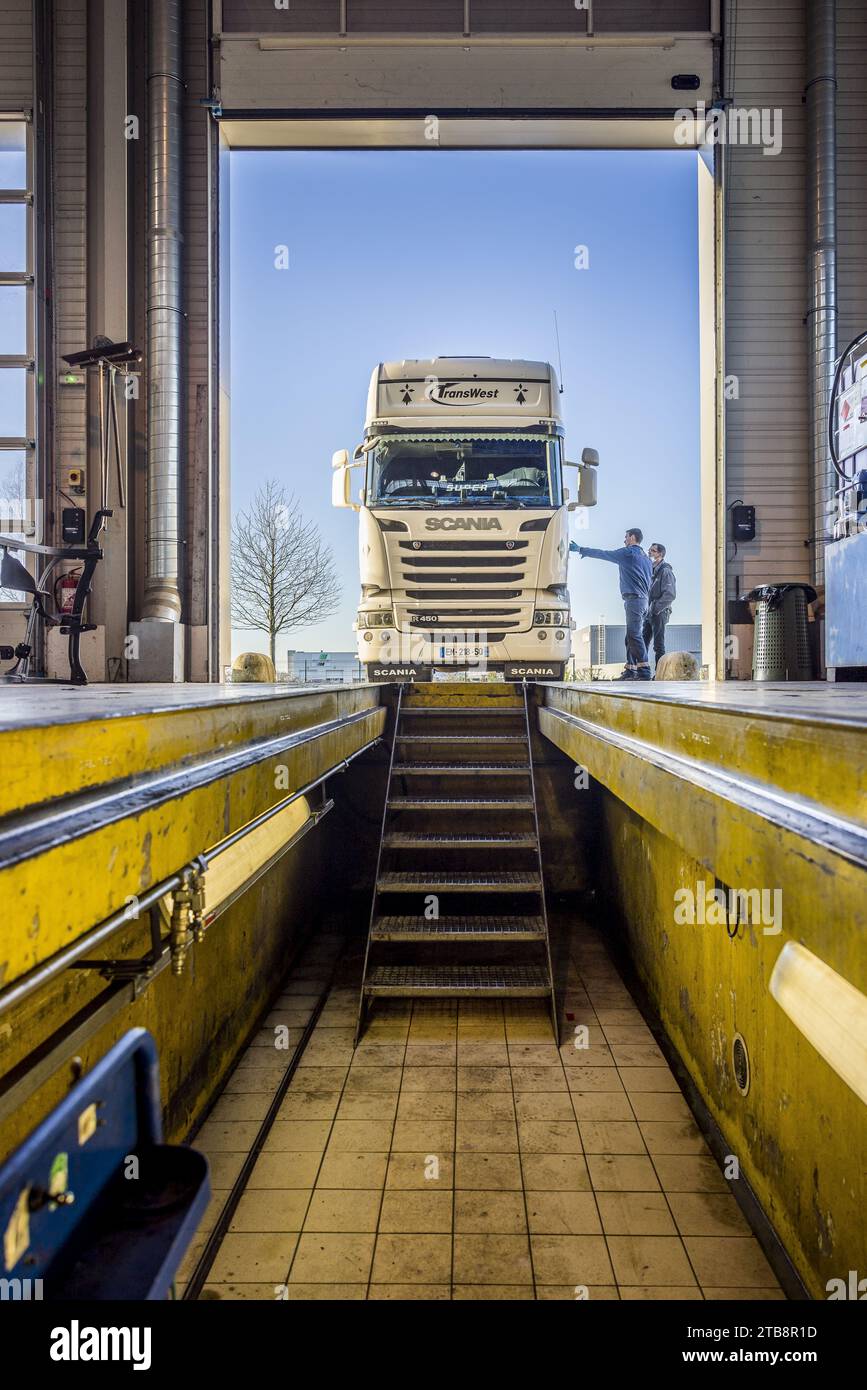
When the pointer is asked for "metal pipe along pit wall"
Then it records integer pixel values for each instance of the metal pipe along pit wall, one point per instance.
(165, 364)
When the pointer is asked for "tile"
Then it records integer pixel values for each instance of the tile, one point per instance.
(484, 1079)
(498, 1172)
(673, 1137)
(571, 1260)
(744, 1295)
(563, 1213)
(622, 1173)
(628, 1033)
(368, 1105)
(730, 1262)
(567, 1293)
(635, 1214)
(555, 1172)
(593, 1079)
(262, 1081)
(412, 1259)
(367, 1079)
(308, 1078)
(309, 1105)
(351, 1210)
(424, 1293)
(548, 1136)
(426, 1105)
(689, 1174)
(253, 1258)
(492, 1259)
(708, 1214)
(285, 1170)
(420, 1170)
(430, 1055)
(486, 1105)
(533, 1054)
(486, 1136)
(370, 1054)
(659, 1105)
(498, 1212)
(536, 1079)
(544, 1105)
(498, 1293)
(332, 1259)
(611, 1137)
(649, 1260)
(241, 1107)
(353, 1170)
(434, 1136)
(325, 1293)
(648, 1079)
(482, 1054)
(675, 1293)
(301, 1136)
(241, 1293)
(271, 1209)
(360, 1136)
(230, 1136)
(638, 1055)
(416, 1212)
(601, 1105)
(422, 1079)
(225, 1169)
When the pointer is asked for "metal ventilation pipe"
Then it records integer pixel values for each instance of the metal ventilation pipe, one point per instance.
(821, 100)
(162, 598)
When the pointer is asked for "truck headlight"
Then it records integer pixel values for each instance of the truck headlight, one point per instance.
(550, 617)
(382, 617)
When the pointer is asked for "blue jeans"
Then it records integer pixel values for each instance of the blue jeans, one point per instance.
(636, 650)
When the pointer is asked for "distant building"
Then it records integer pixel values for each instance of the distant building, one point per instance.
(602, 644)
(317, 668)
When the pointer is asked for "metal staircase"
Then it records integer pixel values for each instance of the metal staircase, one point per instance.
(459, 823)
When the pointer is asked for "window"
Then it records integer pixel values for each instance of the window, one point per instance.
(18, 511)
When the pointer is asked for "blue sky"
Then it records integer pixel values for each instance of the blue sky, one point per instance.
(432, 252)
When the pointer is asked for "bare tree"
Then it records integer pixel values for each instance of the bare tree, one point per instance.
(282, 571)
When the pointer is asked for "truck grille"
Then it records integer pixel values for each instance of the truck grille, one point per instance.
(461, 573)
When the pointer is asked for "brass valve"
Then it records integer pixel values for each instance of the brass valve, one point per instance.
(180, 935)
(197, 903)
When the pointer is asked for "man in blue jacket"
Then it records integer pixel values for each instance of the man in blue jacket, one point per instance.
(636, 571)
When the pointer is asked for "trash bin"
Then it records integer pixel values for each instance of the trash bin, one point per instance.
(781, 649)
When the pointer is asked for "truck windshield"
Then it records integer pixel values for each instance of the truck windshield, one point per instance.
(454, 470)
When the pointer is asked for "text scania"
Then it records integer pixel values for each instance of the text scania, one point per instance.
(77, 1343)
(462, 523)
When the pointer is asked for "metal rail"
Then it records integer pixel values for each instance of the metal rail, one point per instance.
(42, 975)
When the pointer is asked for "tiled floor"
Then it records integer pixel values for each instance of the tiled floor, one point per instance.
(459, 1153)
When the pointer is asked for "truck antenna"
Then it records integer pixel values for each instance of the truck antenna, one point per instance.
(559, 355)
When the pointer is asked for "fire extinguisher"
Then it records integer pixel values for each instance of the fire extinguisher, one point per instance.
(68, 586)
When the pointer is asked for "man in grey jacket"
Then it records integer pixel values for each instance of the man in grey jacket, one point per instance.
(663, 592)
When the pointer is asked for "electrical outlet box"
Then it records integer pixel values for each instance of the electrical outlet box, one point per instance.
(76, 480)
(743, 524)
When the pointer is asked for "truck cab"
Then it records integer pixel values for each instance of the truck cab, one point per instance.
(463, 520)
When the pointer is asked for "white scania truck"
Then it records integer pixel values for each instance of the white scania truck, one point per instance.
(463, 519)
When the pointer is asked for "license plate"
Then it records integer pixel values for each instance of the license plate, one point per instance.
(464, 653)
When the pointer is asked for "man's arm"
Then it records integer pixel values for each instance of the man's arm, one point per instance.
(587, 552)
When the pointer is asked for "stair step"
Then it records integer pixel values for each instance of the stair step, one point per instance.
(514, 712)
(448, 769)
(461, 803)
(458, 929)
(475, 739)
(424, 840)
(499, 881)
(465, 981)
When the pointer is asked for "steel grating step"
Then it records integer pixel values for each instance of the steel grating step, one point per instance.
(496, 882)
(515, 712)
(425, 840)
(468, 981)
(461, 803)
(475, 739)
(458, 929)
(455, 769)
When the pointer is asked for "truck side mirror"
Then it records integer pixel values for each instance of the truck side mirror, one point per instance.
(341, 495)
(590, 457)
(340, 458)
(587, 485)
